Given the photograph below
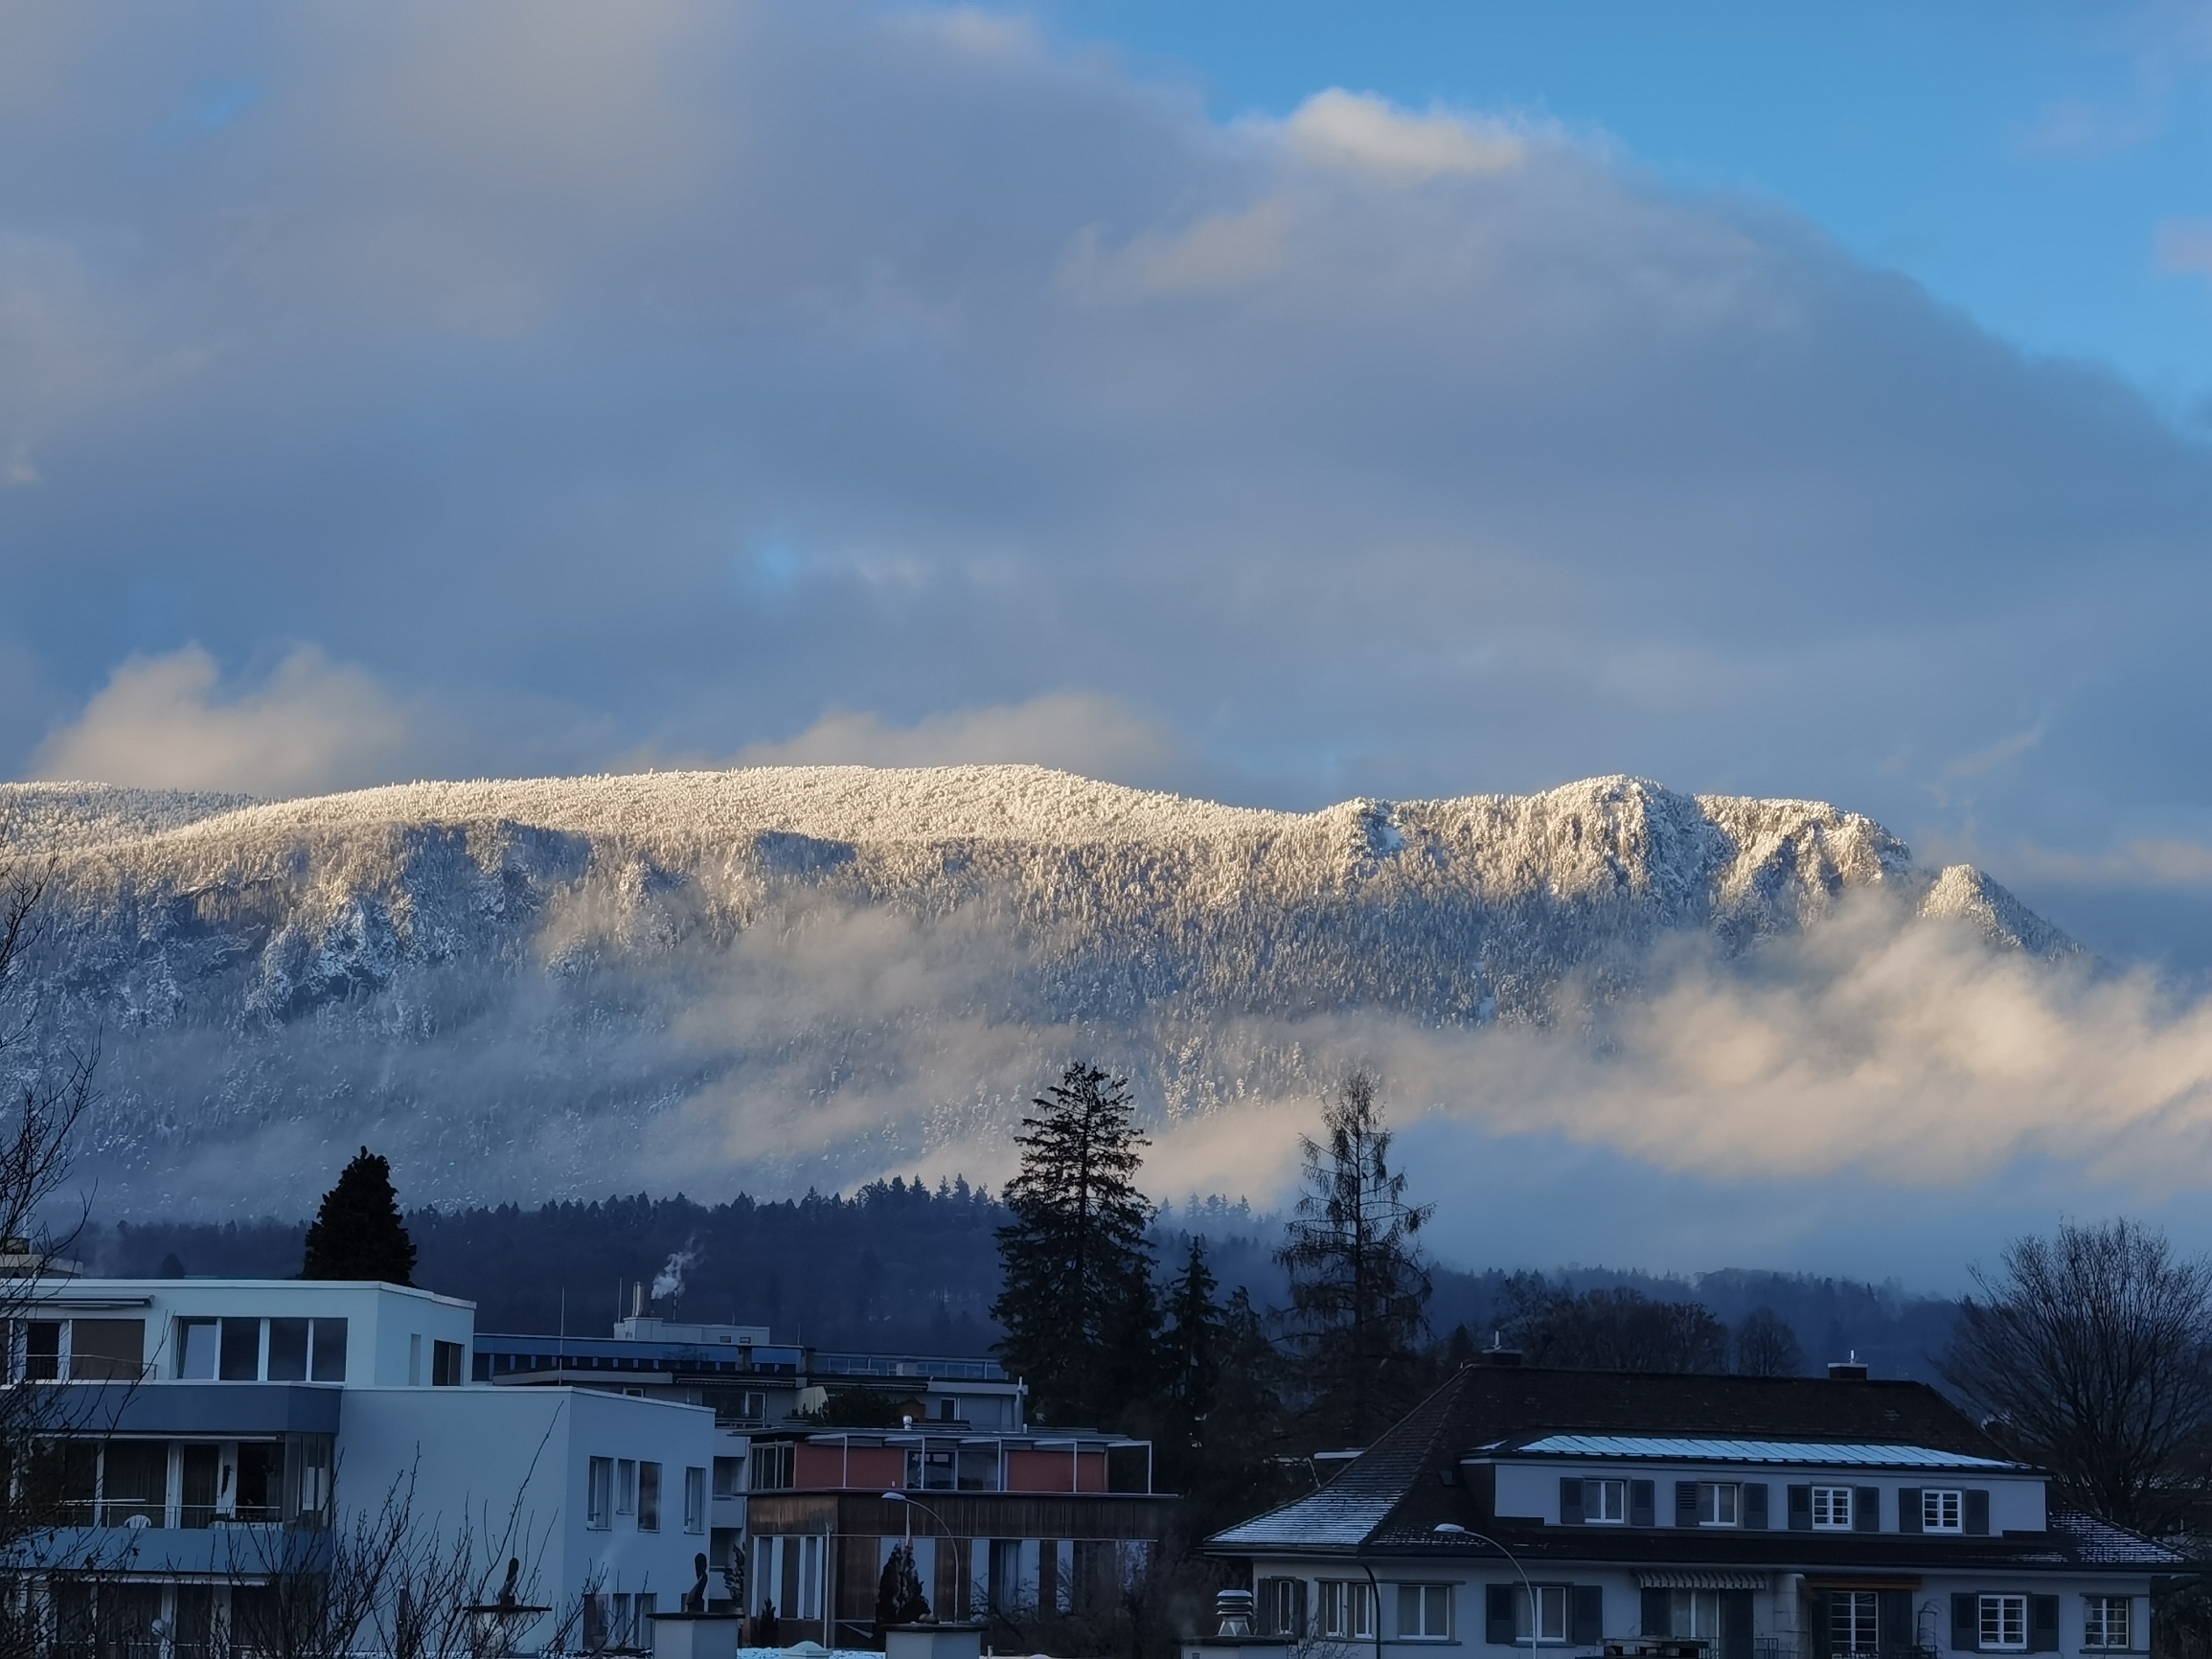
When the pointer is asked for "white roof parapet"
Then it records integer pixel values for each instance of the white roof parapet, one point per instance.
(1863, 1454)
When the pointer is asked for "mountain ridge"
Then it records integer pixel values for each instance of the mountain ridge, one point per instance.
(803, 969)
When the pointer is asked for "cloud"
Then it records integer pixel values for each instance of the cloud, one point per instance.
(1357, 129)
(1368, 450)
(1074, 731)
(166, 723)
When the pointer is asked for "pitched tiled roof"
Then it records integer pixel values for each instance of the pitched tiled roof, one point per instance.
(2107, 1545)
(1701, 1448)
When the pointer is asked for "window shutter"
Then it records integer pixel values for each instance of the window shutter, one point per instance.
(1977, 1511)
(1909, 1508)
(1643, 1501)
(1800, 1509)
(1587, 1614)
(1659, 1613)
(1570, 1501)
(2042, 1624)
(1895, 1627)
(1498, 1614)
(1736, 1640)
(1685, 1503)
(1755, 1505)
(1965, 1622)
(1866, 1510)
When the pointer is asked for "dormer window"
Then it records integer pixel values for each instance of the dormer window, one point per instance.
(1831, 1509)
(1941, 1510)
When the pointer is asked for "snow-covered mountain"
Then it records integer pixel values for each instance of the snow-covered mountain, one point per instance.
(815, 974)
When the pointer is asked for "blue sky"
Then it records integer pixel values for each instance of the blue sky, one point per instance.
(2020, 161)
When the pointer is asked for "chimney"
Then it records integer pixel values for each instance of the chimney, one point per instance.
(1850, 1370)
(1497, 1354)
(637, 1299)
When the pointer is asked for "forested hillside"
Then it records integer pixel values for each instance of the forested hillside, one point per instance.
(902, 1267)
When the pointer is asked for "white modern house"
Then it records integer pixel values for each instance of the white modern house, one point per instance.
(219, 1435)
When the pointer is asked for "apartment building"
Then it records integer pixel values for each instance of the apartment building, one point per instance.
(1709, 1517)
(222, 1435)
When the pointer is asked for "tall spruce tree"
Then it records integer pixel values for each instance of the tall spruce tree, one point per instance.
(1358, 1289)
(1077, 1301)
(357, 1233)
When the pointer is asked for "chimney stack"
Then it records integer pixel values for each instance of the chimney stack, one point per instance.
(1847, 1370)
(637, 1299)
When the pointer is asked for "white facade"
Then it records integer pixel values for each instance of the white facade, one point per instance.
(231, 1427)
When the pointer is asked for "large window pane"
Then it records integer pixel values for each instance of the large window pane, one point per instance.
(200, 1482)
(134, 1481)
(196, 1349)
(241, 1349)
(261, 1479)
(330, 1351)
(288, 1351)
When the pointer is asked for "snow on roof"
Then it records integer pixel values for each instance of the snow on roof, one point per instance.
(1861, 1454)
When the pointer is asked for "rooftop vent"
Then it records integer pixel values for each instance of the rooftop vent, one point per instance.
(1852, 1370)
(1233, 1608)
(1497, 1354)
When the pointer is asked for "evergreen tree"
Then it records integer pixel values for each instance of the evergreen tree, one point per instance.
(1358, 1290)
(899, 1596)
(1076, 1300)
(1191, 1361)
(357, 1233)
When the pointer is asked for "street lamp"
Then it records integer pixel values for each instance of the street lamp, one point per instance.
(1453, 1529)
(913, 1504)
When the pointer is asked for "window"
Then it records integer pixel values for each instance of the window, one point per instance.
(1551, 1613)
(625, 1486)
(134, 1481)
(1853, 1620)
(772, 1467)
(1831, 1509)
(196, 1349)
(288, 1351)
(1282, 1606)
(648, 1497)
(1605, 1502)
(1942, 1511)
(42, 1349)
(1346, 1608)
(326, 1357)
(240, 1359)
(648, 1604)
(261, 1481)
(2106, 1621)
(1717, 1503)
(599, 1497)
(2004, 1624)
(1424, 1612)
(415, 1381)
(197, 1490)
(729, 1477)
(694, 1500)
(446, 1361)
(1693, 1613)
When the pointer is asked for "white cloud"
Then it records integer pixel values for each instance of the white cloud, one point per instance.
(166, 722)
(1076, 731)
(1357, 129)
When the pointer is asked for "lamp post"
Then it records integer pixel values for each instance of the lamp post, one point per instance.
(913, 1504)
(1452, 1529)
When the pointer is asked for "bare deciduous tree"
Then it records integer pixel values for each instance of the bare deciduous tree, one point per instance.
(2091, 1354)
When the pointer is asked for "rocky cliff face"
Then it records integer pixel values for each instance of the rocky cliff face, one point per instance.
(798, 974)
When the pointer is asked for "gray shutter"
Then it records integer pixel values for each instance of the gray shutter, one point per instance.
(1909, 1508)
(1736, 1624)
(1866, 1510)
(1895, 1624)
(1643, 1501)
(1755, 1505)
(1685, 1503)
(1977, 1511)
(1585, 1615)
(1659, 1613)
(1800, 1509)
(1570, 1501)
(1498, 1614)
(2042, 1624)
(1965, 1622)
